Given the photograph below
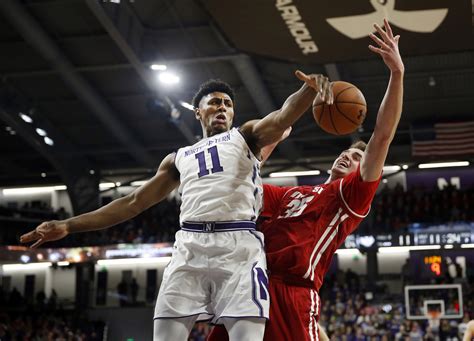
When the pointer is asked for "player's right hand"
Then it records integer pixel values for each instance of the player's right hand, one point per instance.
(46, 232)
(319, 83)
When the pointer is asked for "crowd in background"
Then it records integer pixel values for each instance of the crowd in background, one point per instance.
(43, 318)
(352, 309)
(356, 310)
(155, 225)
(394, 210)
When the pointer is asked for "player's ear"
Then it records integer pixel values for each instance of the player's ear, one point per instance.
(197, 114)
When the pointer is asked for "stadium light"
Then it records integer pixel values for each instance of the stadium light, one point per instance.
(32, 190)
(48, 141)
(467, 246)
(443, 164)
(397, 249)
(138, 183)
(297, 173)
(63, 263)
(168, 78)
(158, 67)
(129, 261)
(41, 132)
(405, 167)
(186, 105)
(349, 252)
(26, 118)
(391, 169)
(30, 266)
(107, 185)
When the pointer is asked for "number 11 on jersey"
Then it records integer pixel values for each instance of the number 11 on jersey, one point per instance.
(216, 164)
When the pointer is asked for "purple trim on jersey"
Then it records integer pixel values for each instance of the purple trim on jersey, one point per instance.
(254, 292)
(217, 226)
(259, 239)
(182, 317)
(238, 317)
(254, 175)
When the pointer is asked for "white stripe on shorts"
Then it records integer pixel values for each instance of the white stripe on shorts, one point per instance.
(311, 311)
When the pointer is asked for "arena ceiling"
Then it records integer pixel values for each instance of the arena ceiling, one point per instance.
(80, 70)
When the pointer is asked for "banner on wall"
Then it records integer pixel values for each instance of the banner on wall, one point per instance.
(336, 30)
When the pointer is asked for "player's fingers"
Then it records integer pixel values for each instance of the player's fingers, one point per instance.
(43, 228)
(330, 93)
(302, 76)
(38, 243)
(397, 38)
(320, 82)
(388, 28)
(379, 41)
(377, 50)
(324, 90)
(29, 237)
(382, 33)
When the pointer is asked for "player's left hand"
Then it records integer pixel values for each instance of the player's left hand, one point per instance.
(387, 47)
(319, 83)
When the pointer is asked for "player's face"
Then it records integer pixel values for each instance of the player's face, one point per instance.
(346, 163)
(216, 113)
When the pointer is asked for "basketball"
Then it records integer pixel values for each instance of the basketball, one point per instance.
(347, 112)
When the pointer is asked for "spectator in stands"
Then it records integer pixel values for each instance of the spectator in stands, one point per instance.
(122, 290)
(134, 287)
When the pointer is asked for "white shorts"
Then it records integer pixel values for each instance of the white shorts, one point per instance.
(214, 275)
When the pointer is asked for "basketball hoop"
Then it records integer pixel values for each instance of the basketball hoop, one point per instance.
(434, 320)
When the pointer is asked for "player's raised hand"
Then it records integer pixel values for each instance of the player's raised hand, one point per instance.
(387, 47)
(319, 83)
(46, 232)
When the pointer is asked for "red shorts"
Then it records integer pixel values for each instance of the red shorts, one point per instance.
(294, 312)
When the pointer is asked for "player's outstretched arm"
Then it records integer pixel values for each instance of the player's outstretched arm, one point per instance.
(469, 333)
(268, 130)
(152, 192)
(322, 334)
(390, 110)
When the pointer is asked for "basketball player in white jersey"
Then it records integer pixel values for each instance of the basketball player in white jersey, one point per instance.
(218, 268)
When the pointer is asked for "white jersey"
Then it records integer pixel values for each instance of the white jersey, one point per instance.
(220, 180)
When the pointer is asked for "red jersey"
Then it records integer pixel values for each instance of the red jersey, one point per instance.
(308, 223)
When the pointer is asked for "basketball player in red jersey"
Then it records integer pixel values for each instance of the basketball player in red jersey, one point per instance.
(306, 224)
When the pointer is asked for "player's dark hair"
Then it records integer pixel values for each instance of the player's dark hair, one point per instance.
(212, 85)
(361, 145)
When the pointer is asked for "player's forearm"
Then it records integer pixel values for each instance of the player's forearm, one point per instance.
(269, 129)
(114, 213)
(390, 110)
(294, 107)
(387, 121)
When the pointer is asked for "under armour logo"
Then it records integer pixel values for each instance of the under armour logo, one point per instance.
(359, 26)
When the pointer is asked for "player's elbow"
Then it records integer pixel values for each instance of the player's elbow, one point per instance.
(135, 203)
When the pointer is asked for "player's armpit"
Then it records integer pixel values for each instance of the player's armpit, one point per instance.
(357, 194)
